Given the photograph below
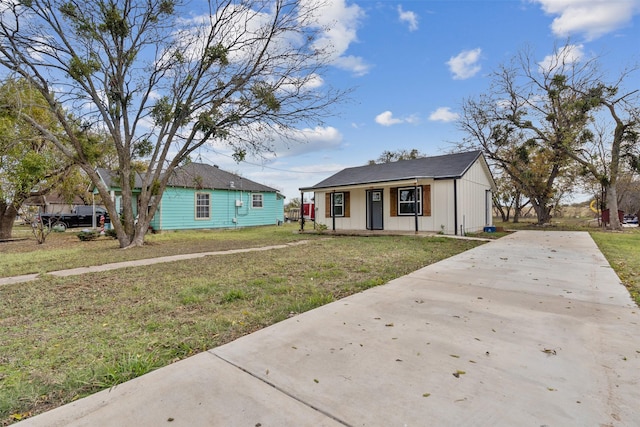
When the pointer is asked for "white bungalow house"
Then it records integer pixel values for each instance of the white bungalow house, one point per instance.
(448, 194)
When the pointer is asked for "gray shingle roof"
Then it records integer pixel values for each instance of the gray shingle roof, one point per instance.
(437, 167)
(197, 175)
(200, 175)
(112, 180)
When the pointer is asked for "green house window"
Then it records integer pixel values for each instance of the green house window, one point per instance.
(257, 201)
(203, 206)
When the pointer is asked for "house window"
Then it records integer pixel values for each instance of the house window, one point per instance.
(407, 201)
(203, 206)
(338, 204)
(256, 201)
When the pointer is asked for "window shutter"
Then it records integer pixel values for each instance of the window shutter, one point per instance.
(426, 200)
(393, 205)
(327, 207)
(347, 204)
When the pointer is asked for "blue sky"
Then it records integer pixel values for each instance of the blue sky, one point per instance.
(412, 63)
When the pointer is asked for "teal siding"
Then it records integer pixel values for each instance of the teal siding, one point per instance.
(177, 210)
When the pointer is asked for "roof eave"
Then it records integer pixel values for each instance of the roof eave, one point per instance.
(353, 184)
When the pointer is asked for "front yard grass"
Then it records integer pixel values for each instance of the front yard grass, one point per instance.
(65, 250)
(65, 338)
(622, 250)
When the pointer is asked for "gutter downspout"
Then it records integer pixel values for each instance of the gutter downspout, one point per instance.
(455, 206)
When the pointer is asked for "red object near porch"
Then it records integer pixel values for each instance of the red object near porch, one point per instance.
(309, 211)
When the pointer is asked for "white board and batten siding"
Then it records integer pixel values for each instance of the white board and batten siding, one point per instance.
(458, 205)
(474, 199)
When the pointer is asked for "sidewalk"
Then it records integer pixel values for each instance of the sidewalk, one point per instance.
(139, 262)
(532, 329)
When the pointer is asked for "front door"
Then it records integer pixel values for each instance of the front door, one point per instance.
(374, 210)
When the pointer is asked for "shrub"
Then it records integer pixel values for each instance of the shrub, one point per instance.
(321, 228)
(86, 235)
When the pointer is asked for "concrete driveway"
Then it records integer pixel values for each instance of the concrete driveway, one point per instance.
(534, 329)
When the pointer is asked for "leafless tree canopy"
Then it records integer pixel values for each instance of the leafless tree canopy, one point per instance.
(537, 125)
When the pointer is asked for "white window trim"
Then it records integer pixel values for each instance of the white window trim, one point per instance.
(253, 206)
(196, 217)
(333, 202)
(419, 201)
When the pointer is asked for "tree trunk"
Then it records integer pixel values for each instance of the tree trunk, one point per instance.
(543, 212)
(137, 241)
(8, 214)
(517, 208)
(614, 170)
(612, 205)
(140, 230)
(501, 210)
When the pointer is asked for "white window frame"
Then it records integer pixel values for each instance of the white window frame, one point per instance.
(409, 202)
(338, 205)
(254, 200)
(199, 205)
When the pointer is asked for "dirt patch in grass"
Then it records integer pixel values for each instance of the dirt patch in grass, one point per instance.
(64, 338)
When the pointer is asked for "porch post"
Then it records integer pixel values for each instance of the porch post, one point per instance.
(93, 211)
(415, 205)
(302, 211)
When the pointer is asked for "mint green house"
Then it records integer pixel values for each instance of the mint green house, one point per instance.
(201, 196)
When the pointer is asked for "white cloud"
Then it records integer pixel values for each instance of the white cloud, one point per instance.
(336, 22)
(289, 179)
(386, 119)
(593, 18)
(284, 143)
(444, 114)
(465, 64)
(567, 55)
(409, 17)
(305, 141)
(355, 64)
(339, 24)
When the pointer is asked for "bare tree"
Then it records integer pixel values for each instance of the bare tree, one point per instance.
(508, 199)
(535, 121)
(613, 143)
(401, 154)
(163, 80)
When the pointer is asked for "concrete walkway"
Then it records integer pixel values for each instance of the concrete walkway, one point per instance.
(534, 329)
